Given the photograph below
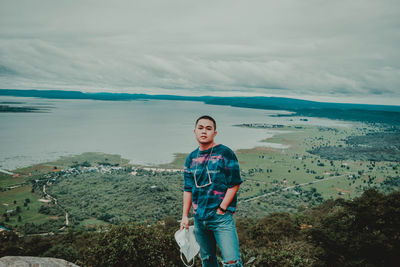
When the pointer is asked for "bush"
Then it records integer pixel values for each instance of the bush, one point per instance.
(362, 232)
(133, 245)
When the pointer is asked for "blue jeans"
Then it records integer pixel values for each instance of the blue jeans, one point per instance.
(218, 229)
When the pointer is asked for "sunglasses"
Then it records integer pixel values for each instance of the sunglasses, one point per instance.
(208, 172)
(209, 179)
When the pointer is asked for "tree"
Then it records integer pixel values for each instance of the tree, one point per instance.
(86, 164)
(133, 245)
(273, 227)
(362, 232)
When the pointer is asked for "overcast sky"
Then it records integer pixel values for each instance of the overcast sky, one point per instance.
(340, 51)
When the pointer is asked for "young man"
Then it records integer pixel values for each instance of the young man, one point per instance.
(211, 180)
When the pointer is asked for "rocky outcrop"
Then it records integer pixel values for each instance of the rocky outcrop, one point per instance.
(23, 261)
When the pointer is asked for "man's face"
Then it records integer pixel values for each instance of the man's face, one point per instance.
(205, 131)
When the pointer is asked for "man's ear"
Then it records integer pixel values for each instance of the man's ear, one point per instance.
(215, 133)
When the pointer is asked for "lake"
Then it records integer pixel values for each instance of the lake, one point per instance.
(145, 132)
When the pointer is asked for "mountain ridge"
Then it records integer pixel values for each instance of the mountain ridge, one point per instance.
(257, 100)
(387, 114)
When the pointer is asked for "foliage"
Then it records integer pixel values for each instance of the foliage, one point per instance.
(133, 245)
(120, 197)
(360, 232)
(363, 232)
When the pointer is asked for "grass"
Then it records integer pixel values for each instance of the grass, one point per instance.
(7, 180)
(29, 213)
(92, 222)
(280, 161)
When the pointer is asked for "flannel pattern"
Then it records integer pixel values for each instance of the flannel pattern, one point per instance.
(223, 167)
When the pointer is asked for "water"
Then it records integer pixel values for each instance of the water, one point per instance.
(145, 132)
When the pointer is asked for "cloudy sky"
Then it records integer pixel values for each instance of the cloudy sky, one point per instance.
(341, 51)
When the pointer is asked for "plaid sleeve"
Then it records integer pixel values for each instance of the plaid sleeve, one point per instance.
(233, 172)
(188, 175)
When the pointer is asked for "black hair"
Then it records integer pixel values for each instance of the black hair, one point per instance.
(208, 118)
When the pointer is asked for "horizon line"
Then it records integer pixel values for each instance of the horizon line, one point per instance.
(194, 96)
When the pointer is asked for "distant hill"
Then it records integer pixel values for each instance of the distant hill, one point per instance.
(388, 114)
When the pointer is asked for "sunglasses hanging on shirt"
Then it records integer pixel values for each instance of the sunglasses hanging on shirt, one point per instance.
(208, 173)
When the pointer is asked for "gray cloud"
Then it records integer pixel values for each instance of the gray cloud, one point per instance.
(323, 50)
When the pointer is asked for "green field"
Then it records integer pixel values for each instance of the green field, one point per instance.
(291, 164)
(28, 213)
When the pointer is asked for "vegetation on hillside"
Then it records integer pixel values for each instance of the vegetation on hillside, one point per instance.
(360, 232)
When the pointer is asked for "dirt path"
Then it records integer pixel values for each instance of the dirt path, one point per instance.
(56, 203)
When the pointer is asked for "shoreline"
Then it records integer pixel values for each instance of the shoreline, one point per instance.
(262, 145)
(175, 155)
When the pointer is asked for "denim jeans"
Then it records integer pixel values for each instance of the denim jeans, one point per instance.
(218, 229)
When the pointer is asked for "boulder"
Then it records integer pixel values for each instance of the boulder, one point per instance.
(25, 261)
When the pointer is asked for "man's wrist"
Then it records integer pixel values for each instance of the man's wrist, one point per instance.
(221, 208)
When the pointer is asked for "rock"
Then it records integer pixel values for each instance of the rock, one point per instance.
(25, 261)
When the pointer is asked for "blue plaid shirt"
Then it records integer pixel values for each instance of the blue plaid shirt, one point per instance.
(223, 170)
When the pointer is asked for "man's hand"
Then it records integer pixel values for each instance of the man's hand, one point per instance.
(229, 195)
(185, 222)
(219, 211)
(187, 202)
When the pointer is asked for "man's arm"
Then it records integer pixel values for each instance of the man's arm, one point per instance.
(187, 203)
(229, 195)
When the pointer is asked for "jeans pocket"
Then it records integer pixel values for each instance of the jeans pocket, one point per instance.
(222, 217)
(219, 217)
